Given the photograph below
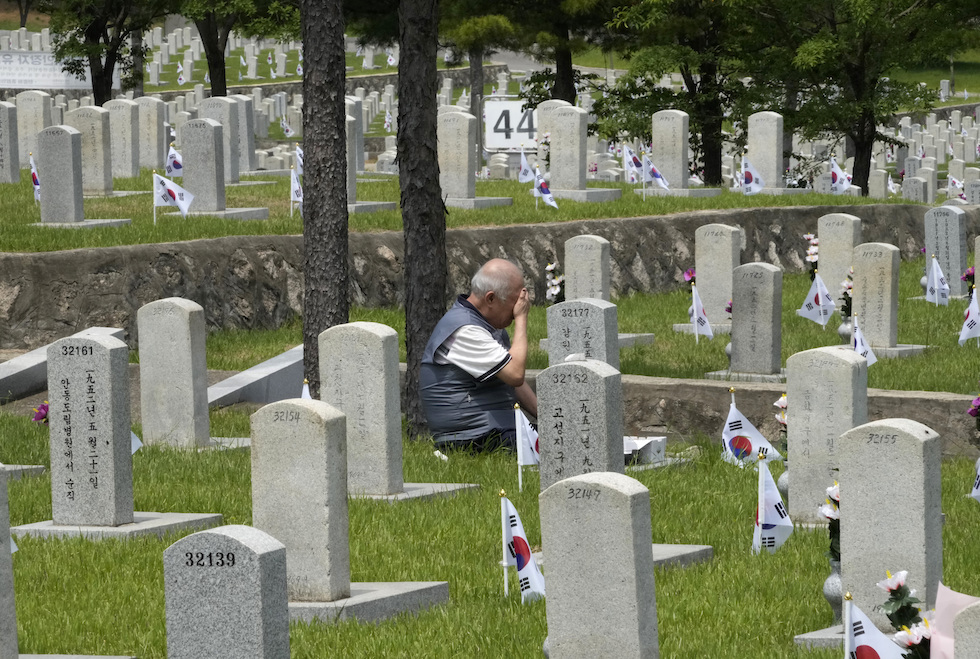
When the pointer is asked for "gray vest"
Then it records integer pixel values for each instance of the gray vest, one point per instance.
(457, 406)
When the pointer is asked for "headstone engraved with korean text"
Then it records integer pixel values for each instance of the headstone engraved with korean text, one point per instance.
(583, 326)
(359, 377)
(9, 147)
(91, 459)
(717, 252)
(757, 297)
(839, 233)
(225, 593)
(580, 420)
(601, 598)
(587, 267)
(945, 229)
(876, 292)
(890, 479)
(826, 395)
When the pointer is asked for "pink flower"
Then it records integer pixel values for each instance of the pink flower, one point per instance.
(893, 582)
(969, 273)
(689, 274)
(41, 413)
(728, 307)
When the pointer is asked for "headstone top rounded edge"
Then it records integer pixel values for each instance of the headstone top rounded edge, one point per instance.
(885, 246)
(625, 485)
(102, 340)
(251, 537)
(582, 236)
(842, 354)
(181, 302)
(590, 301)
(379, 330)
(908, 426)
(757, 265)
(59, 130)
(324, 411)
(600, 368)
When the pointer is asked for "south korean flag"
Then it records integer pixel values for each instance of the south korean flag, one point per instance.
(818, 305)
(971, 324)
(862, 639)
(975, 492)
(517, 552)
(772, 522)
(743, 442)
(937, 288)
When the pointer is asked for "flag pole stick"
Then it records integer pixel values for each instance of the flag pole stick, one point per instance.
(154, 201)
(761, 506)
(520, 450)
(695, 319)
(848, 603)
(503, 537)
(731, 390)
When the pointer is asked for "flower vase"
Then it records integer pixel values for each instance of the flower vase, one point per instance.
(846, 330)
(833, 591)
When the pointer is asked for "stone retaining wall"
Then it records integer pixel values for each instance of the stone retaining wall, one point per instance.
(256, 281)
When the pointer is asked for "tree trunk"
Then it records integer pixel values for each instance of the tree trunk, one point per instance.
(325, 269)
(24, 7)
(139, 64)
(476, 99)
(864, 140)
(214, 50)
(101, 78)
(709, 118)
(564, 89)
(423, 211)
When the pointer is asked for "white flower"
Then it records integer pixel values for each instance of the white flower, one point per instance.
(893, 582)
(781, 403)
(814, 241)
(807, 236)
(914, 635)
(829, 511)
(834, 492)
(781, 417)
(551, 266)
(812, 250)
(812, 258)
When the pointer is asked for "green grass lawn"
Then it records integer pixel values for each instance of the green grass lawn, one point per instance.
(737, 606)
(18, 212)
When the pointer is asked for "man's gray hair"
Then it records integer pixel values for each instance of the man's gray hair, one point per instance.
(495, 277)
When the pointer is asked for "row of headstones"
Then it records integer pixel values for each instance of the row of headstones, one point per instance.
(755, 289)
(24, 39)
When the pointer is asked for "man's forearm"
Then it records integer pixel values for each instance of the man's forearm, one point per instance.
(528, 399)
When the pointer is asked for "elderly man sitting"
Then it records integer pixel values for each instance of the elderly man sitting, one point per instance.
(472, 373)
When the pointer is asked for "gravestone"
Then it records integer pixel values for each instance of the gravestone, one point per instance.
(669, 148)
(153, 134)
(457, 155)
(757, 294)
(59, 168)
(33, 116)
(945, 231)
(204, 164)
(580, 420)
(972, 191)
(966, 632)
(355, 109)
(544, 112)
(569, 141)
(765, 150)
(839, 233)
(912, 165)
(225, 593)
(9, 146)
(299, 493)
(246, 132)
(93, 124)
(173, 373)
(587, 267)
(225, 111)
(890, 480)
(826, 395)
(878, 184)
(8, 608)
(583, 326)
(601, 599)
(717, 252)
(875, 293)
(915, 189)
(359, 377)
(91, 460)
(124, 137)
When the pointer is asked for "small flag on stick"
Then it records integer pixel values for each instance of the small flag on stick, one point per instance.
(517, 552)
(168, 193)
